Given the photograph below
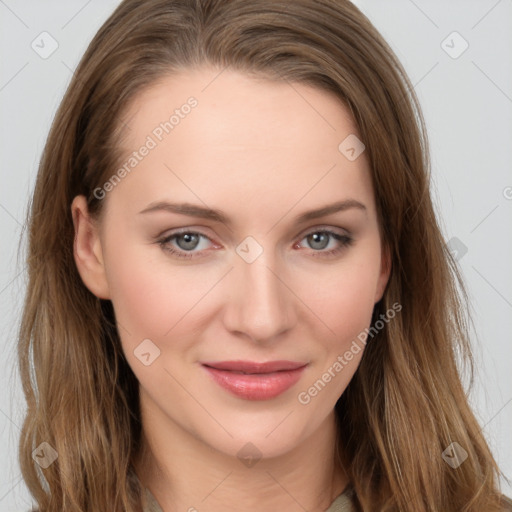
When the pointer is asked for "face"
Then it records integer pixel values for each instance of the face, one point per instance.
(241, 274)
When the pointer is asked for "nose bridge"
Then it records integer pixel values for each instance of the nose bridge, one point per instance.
(260, 305)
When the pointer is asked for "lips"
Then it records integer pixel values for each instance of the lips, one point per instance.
(255, 381)
(253, 367)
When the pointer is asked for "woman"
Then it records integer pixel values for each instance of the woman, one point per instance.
(196, 344)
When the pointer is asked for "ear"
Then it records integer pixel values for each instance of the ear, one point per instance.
(385, 272)
(87, 249)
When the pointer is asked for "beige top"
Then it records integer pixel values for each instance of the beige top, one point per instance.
(343, 503)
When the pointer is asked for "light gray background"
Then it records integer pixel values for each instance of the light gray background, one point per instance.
(467, 102)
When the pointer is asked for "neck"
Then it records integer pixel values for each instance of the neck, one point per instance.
(190, 475)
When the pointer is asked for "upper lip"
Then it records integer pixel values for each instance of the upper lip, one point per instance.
(255, 367)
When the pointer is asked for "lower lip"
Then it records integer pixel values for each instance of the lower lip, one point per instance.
(262, 386)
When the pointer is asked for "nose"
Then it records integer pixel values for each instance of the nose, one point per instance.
(260, 305)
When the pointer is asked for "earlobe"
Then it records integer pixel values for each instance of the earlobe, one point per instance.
(87, 250)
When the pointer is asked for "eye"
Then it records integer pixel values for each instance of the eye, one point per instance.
(320, 239)
(186, 241)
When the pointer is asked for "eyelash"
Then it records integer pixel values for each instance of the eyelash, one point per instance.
(345, 241)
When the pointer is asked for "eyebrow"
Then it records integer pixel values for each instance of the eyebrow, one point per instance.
(193, 210)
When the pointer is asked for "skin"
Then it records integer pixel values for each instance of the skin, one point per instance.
(262, 152)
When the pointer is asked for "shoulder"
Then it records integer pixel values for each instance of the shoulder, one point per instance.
(344, 502)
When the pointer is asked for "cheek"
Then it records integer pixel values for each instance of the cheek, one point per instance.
(343, 296)
(150, 295)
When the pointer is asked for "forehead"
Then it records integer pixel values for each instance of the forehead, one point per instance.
(263, 139)
(227, 99)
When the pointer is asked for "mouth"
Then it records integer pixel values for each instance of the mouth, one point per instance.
(255, 381)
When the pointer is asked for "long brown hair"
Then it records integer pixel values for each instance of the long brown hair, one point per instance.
(405, 404)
